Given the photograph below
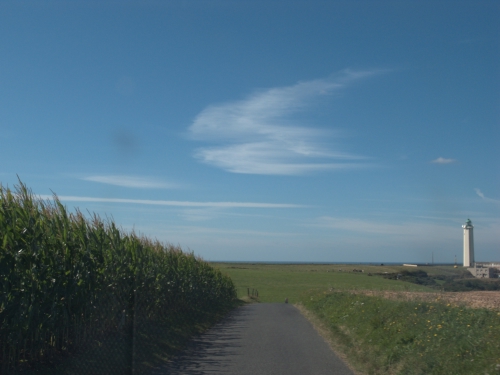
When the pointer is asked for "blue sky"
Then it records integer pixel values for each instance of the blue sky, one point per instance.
(328, 131)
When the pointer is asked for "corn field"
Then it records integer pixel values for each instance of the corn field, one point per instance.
(66, 280)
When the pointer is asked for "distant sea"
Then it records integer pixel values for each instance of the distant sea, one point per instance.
(365, 263)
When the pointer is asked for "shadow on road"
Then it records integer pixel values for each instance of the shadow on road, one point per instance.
(211, 352)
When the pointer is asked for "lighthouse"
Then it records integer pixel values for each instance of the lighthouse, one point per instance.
(468, 244)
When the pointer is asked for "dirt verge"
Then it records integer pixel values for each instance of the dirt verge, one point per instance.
(476, 299)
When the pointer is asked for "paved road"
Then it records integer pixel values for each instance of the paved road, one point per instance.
(258, 339)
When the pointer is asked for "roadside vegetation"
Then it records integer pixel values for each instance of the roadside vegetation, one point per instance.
(460, 282)
(384, 336)
(79, 295)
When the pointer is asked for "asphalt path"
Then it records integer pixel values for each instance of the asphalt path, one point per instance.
(258, 339)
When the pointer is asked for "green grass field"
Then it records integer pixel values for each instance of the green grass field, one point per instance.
(275, 282)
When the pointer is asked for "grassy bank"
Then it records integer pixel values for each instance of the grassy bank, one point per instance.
(72, 285)
(381, 336)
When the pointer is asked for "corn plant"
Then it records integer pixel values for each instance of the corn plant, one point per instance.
(66, 279)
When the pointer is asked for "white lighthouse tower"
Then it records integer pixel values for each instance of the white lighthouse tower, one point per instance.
(468, 244)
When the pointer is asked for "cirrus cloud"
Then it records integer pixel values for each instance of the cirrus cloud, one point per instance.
(131, 181)
(483, 197)
(68, 198)
(257, 135)
(442, 160)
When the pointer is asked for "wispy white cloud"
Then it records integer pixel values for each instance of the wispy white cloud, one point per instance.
(221, 233)
(199, 214)
(409, 230)
(131, 181)
(480, 194)
(441, 160)
(258, 136)
(64, 198)
(409, 233)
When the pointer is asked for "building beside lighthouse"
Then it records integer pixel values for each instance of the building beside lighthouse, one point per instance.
(468, 244)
